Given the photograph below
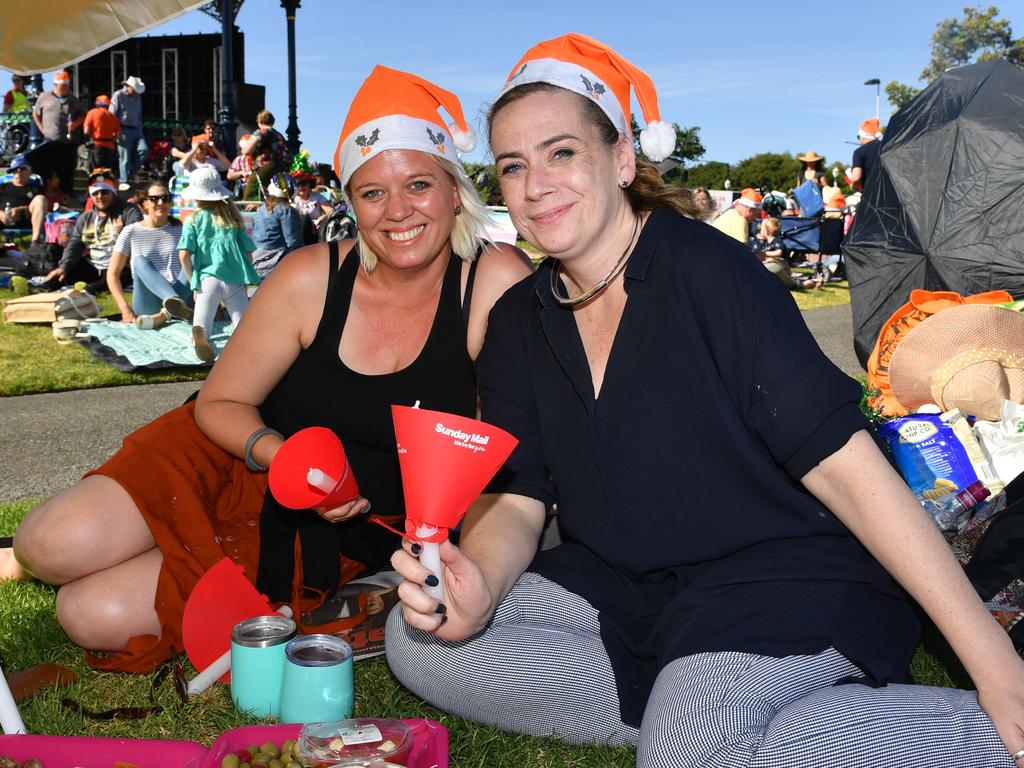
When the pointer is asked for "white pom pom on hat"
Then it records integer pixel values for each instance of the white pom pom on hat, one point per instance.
(658, 140)
(465, 141)
(589, 67)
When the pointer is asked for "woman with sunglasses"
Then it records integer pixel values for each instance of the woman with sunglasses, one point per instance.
(161, 289)
(338, 333)
(729, 590)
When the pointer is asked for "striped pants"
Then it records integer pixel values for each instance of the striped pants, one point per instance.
(540, 669)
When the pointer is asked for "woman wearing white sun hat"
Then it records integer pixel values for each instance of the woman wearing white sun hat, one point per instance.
(722, 595)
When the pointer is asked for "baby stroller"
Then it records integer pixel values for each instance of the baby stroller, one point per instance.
(337, 225)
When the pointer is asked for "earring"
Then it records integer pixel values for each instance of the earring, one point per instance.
(623, 184)
(458, 209)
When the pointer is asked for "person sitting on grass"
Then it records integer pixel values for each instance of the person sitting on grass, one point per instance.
(160, 288)
(338, 333)
(729, 588)
(277, 227)
(87, 255)
(772, 252)
(23, 203)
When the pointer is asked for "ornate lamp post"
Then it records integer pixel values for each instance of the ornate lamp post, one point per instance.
(290, 6)
(228, 123)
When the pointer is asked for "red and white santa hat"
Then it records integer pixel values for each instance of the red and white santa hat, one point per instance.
(585, 66)
(398, 110)
(870, 129)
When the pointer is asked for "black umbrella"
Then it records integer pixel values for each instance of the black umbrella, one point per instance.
(944, 209)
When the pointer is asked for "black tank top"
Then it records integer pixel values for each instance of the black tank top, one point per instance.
(320, 390)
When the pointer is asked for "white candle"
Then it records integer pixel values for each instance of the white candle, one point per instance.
(430, 558)
(10, 717)
(320, 480)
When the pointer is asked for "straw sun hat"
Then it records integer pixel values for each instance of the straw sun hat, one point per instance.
(969, 357)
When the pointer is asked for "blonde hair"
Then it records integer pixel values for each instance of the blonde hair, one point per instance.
(470, 227)
(772, 226)
(225, 213)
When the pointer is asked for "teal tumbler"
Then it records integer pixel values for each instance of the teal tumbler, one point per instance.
(257, 663)
(317, 683)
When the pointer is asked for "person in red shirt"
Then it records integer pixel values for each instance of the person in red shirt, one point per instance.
(103, 128)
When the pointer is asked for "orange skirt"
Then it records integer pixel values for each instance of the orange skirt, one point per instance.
(201, 504)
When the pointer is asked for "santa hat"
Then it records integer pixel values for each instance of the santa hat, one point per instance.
(583, 65)
(397, 110)
(870, 129)
(750, 197)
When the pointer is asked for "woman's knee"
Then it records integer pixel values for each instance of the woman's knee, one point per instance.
(36, 544)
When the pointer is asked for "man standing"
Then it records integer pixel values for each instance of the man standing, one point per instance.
(58, 114)
(269, 152)
(16, 99)
(102, 127)
(735, 222)
(865, 157)
(131, 147)
(87, 254)
(22, 202)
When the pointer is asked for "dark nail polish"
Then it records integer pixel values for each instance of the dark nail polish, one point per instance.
(441, 608)
(431, 580)
(416, 549)
(443, 620)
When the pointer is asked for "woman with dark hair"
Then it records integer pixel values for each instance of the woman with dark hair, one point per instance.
(725, 592)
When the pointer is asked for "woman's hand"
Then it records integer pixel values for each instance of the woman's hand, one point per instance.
(468, 604)
(347, 511)
(1004, 704)
(127, 316)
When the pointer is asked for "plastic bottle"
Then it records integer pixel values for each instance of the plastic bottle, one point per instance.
(952, 512)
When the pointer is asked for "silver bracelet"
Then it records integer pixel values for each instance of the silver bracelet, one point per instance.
(250, 462)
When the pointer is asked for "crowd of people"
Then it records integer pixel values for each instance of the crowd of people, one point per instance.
(767, 621)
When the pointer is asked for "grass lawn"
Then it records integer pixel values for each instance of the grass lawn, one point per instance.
(29, 634)
(33, 362)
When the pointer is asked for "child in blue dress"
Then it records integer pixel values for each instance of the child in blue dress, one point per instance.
(215, 254)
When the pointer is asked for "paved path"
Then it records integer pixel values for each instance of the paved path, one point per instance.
(50, 440)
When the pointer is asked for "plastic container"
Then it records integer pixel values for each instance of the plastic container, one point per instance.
(429, 742)
(88, 752)
(356, 742)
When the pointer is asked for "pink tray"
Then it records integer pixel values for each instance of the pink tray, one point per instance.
(88, 752)
(429, 747)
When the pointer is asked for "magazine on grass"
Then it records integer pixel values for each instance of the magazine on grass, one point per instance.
(362, 606)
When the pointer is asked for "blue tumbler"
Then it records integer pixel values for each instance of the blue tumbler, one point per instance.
(317, 682)
(257, 663)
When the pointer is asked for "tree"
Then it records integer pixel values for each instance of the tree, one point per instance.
(978, 36)
(771, 170)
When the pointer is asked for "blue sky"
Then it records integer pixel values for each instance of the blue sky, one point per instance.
(756, 77)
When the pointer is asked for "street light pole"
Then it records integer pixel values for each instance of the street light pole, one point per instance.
(290, 6)
(226, 113)
(878, 92)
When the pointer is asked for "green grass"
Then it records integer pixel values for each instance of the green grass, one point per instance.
(29, 634)
(33, 362)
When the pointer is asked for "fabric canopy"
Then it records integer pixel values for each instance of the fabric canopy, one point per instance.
(944, 209)
(63, 32)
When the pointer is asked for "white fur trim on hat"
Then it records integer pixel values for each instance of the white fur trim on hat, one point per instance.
(573, 78)
(465, 141)
(393, 132)
(658, 140)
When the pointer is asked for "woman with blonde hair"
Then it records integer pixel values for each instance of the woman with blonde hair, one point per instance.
(330, 341)
(277, 226)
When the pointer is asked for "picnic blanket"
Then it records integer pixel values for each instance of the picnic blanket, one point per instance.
(125, 347)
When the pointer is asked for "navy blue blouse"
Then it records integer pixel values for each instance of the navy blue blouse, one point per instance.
(680, 505)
